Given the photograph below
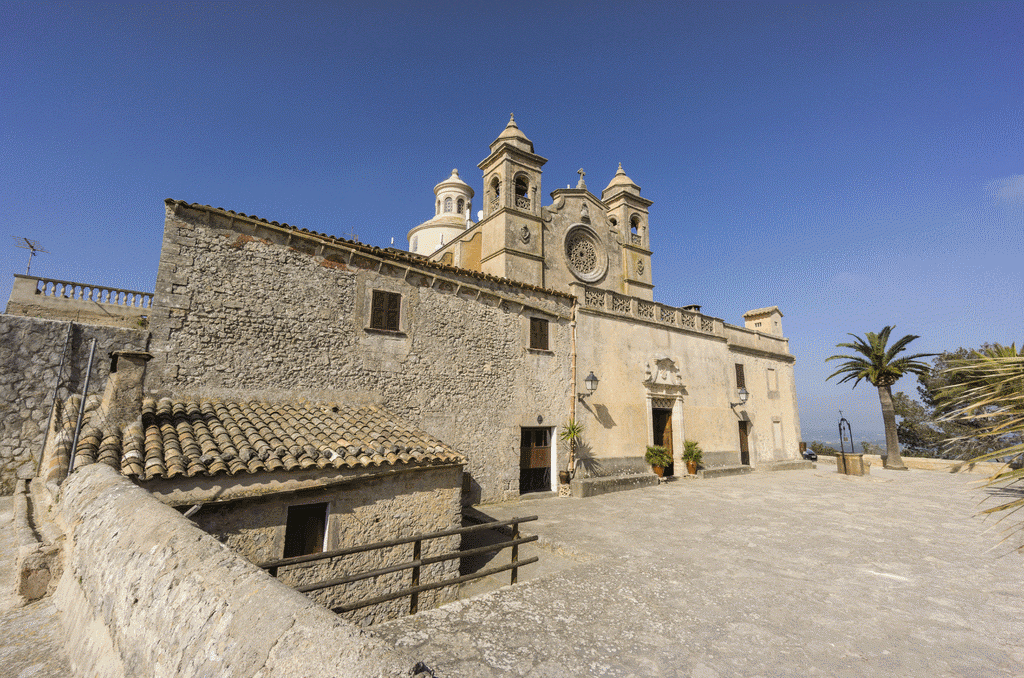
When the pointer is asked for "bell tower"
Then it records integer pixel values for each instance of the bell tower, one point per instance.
(512, 244)
(627, 215)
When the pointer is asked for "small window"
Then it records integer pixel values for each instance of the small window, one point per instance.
(741, 382)
(305, 530)
(773, 380)
(539, 334)
(461, 206)
(385, 312)
(757, 324)
(447, 204)
(634, 225)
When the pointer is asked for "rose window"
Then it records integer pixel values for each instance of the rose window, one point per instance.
(582, 254)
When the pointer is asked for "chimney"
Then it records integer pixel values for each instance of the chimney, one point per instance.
(122, 400)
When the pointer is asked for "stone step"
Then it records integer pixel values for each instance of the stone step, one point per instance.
(786, 465)
(722, 471)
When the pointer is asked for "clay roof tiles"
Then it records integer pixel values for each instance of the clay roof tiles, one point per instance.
(208, 438)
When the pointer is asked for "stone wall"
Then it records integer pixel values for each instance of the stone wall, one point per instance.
(30, 357)
(146, 593)
(246, 308)
(364, 510)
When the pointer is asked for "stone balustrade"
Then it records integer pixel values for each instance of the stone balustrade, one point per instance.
(625, 306)
(68, 300)
(648, 311)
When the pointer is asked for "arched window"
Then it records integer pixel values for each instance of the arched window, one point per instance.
(461, 206)
(447, 204)
(522, 192)
(495, 193)
(634, 225)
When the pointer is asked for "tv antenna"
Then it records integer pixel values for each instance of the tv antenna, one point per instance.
(33, 248)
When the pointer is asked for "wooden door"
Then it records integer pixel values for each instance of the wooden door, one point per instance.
(744, 444)
(535, 460)
(662, 420)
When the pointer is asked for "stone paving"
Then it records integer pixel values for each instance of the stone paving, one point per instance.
(31, 636)
(801, 573)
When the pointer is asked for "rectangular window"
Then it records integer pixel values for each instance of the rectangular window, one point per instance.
(539, 334)
(773, 380)
(305, 529)
(385, 312)
(741, 382)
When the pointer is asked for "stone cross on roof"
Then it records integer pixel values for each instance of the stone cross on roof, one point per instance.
(581, 184)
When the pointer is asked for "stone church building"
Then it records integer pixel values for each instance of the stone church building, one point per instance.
(481, 336)
(665, 374)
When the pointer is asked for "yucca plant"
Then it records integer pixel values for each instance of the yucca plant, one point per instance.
(989, 393)
(878, 364)
(572, 433)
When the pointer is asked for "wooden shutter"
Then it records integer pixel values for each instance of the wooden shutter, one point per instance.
(539, 333)
(385, 311)
(741, 382)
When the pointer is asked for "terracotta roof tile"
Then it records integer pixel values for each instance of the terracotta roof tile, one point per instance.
(206, 438)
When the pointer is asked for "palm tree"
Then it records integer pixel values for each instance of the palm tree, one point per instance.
(880, 366)
(988, 392)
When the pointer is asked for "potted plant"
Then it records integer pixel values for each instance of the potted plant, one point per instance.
(572, 432)
(658, 457)
(692, 455)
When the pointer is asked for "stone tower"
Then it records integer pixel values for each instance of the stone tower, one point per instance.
(453, 204)
(627, 216)
(511, 227)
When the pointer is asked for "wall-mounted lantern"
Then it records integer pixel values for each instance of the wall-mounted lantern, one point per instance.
(591, 383)
(744, 394)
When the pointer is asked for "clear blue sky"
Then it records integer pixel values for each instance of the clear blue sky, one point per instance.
(857, 165)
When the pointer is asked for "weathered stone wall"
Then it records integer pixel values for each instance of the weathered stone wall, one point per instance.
(30, 358)
(146, 593)
(244, 308)
(362, 511)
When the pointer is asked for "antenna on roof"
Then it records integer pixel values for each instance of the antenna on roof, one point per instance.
(352, 236)
(32, 246)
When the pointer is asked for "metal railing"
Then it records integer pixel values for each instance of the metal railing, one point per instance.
(417, 562)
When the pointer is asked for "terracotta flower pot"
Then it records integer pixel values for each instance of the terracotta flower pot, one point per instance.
(563, 477)
(659, 471)
(691, 468)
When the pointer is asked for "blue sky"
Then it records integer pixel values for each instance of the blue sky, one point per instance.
(857, 165)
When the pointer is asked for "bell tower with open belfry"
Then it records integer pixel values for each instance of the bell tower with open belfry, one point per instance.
(511, 229)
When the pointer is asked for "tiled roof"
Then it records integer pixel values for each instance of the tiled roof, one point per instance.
(207, 438)
(387, 253)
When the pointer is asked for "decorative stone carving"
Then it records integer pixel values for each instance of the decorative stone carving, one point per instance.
(524, 235)
(584, 255)
(584, 212)
(661, 377)
(640, 267)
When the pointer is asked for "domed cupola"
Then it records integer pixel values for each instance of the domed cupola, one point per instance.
(512, 135)
(620, 183)
(453, 203)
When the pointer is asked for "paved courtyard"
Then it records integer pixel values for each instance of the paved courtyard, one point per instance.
(801, 573)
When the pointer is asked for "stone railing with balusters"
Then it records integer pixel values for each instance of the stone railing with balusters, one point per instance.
(67, 300)
(648, 311)
(635, 239)
(495, 203)
(612, 303)
(522, 203)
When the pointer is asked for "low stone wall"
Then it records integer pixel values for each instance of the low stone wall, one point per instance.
(30, 358)
(147, 593)
(986, 468)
